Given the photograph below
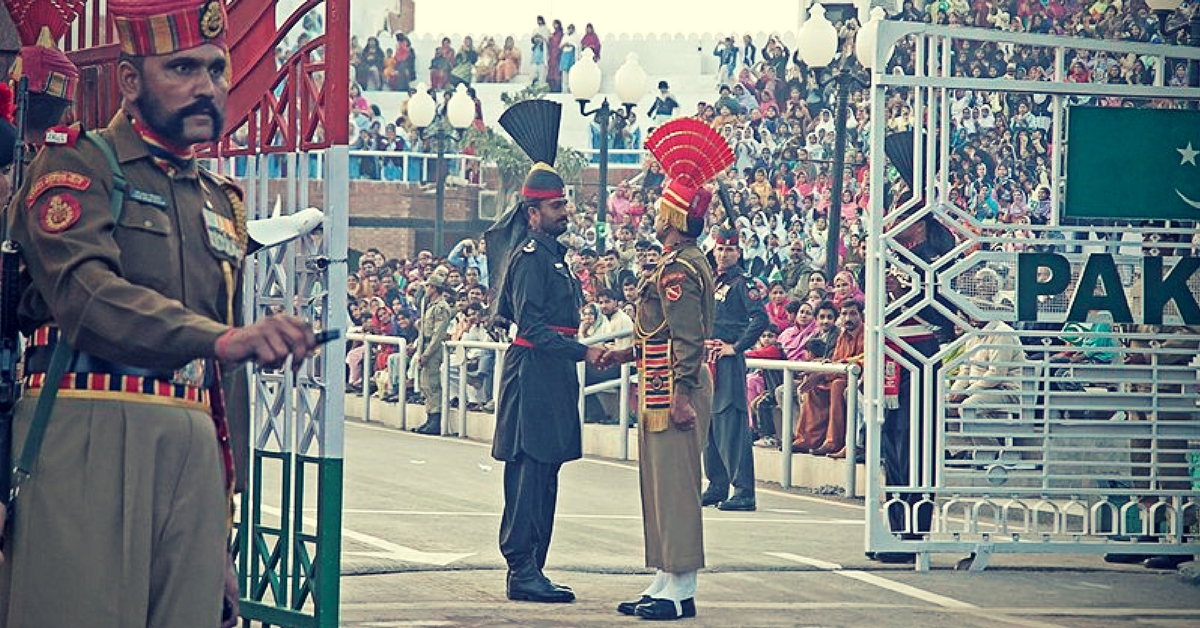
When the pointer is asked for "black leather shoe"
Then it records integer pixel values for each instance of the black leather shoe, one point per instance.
(1168, 561)
(737, 502)
(538, 589)
(713, 497)
(431, 426)
(630, 608)
(665, 610)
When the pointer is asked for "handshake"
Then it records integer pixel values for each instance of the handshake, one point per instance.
(602, 358)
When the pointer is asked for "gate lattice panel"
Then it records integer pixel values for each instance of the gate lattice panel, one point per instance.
(1015, 446)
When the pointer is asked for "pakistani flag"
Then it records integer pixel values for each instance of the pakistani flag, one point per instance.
(1136, 164)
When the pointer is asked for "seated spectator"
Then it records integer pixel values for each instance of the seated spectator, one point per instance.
(989, 379)
(777, 305)
(810, 429)
(848, 349)
(601, 407)
(509, 63)
(761, 385)
(479, 363)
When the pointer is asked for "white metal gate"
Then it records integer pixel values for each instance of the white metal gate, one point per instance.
(1038, 454)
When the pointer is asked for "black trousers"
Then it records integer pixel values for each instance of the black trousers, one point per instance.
(729, 454)
(530, 496)
(893, 443)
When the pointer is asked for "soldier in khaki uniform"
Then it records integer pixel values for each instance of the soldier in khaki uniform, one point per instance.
(435, 322)
(674, 318)
(126, 510)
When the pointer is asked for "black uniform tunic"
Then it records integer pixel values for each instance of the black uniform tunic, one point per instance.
(537, 412)
(740, 321)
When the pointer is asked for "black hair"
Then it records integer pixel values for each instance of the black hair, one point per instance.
(611, 294)
(43, 112)
(825, 305)
(854, 303)
(792, 307)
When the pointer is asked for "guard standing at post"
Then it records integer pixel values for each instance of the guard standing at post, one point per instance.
(435, 320)
(673, 320)
(132, 283)
(537, 411)
(740, 321)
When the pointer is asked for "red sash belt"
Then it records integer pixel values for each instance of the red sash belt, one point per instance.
(102, 383)
(521, 341)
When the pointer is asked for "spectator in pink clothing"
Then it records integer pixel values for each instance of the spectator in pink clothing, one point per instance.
(793, 338)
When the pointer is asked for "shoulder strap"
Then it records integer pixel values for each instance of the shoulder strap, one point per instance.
(41, 417)
(62, 351)
(120, 184)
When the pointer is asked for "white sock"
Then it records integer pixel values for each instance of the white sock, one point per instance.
(679, 587)
(660, 581)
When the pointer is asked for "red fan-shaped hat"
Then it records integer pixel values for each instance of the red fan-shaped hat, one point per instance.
(691, 153)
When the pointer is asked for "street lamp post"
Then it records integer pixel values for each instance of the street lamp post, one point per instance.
(441, 127)
(817, 43)
(630, 84)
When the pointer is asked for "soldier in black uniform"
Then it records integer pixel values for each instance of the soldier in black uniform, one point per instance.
(537, 412)
(739, 321)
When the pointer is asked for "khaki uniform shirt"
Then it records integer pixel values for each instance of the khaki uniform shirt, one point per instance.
(155, 290)
(433, 329)
(676, 302)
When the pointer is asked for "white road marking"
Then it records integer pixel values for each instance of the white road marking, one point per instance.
(878, 581)
(904, 589)
(391, 550)
(804, 560)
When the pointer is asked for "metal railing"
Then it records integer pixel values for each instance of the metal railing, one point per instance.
(460, 347)
(621, 385)
(787, 408)
(369, 365)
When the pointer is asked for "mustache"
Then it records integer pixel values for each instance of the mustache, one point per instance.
(203, 106)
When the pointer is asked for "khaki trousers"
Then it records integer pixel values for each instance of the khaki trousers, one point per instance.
(123, 522)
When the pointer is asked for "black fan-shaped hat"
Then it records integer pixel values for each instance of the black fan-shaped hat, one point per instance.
(899, 149)
(533, 125)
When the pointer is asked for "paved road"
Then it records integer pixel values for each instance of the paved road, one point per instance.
(421, 519)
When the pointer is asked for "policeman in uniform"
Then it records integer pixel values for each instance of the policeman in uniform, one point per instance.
(673, 320)
(127, 504)
(435, 321)
(537, 411)
(740, 321)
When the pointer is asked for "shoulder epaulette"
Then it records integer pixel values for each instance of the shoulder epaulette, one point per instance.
(531, 247)
(61, 135)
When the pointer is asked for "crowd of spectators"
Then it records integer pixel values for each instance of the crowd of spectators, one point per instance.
(390, 64)
(778, 116)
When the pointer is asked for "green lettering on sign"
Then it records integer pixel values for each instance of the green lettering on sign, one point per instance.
(1149, 170)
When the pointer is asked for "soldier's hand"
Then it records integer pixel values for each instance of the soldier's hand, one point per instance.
(268, 342)
(683, 415)
(595, 355)
(618, 356)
